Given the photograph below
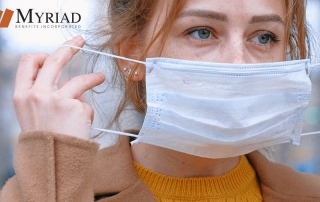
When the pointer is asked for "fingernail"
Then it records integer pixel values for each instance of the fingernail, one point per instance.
(77, 38)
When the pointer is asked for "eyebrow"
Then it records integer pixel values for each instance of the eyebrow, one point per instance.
(205, 14)
(223, 17)
(266, 18)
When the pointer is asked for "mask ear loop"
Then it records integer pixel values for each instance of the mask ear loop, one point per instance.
(106, 54)
(115, 132)
(311, 133)
(113, 56)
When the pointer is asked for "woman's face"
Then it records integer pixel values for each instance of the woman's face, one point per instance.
(228, 31)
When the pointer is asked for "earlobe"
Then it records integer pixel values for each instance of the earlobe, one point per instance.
(130, 70)
(134, 75)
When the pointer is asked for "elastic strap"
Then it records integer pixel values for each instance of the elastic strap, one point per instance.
(106, 54)
(311, 133)
(132, 135)
(115, 132)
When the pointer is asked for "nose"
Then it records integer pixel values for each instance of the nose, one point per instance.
(234, 51)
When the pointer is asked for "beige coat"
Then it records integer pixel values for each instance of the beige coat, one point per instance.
(52, 167)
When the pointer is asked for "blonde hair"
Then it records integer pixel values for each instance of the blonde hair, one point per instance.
(126, 19)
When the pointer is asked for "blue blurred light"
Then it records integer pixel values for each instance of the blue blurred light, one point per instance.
(312, 115)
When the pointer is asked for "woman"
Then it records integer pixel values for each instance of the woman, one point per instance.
(55, 161)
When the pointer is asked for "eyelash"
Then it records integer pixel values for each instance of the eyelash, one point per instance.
(192, 30)
(273, 37)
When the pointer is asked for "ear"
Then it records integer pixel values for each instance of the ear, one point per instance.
(130, 49)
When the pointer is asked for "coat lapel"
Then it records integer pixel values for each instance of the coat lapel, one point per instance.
(115, 176)
(283, 184)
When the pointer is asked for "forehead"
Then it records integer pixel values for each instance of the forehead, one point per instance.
(238, 8)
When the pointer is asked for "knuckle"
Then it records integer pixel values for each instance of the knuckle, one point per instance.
(53, 59)
(17, 99)
(36, 95)
(28, 57)
(60, 57)
(33, 58)
(76, 108)
(57, 98)
(71, 50)
(87, 109)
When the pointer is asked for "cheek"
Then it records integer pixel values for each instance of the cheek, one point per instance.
(276, 54)
(178, 48)
(279, 55)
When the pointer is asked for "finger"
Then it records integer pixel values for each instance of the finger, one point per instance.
(78, 85)
(54, 64)
(28, 70)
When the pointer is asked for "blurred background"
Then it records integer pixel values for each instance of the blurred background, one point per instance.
(16, 41)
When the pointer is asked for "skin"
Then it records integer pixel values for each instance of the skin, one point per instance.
(41, 105)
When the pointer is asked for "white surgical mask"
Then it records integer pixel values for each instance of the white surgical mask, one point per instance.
(219, 110)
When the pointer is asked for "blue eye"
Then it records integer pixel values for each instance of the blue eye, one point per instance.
(201, 34)
(264, 39)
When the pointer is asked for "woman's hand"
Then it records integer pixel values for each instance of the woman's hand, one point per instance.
(38, 102)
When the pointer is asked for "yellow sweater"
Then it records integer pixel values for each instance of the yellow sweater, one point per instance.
(239, 185)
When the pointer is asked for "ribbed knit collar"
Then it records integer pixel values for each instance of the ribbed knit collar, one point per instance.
(235, 182)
